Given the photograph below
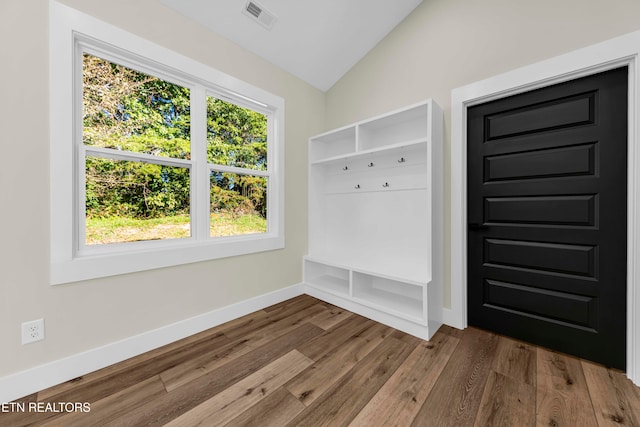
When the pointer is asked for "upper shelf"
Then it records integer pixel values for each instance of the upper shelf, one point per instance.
(387, 148)
(394, 130)
(334, 144)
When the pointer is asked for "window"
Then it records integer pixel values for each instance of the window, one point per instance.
(136, 144)
(238, 169)
(156, 160)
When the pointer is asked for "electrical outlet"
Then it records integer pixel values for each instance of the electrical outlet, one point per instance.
(32, 331)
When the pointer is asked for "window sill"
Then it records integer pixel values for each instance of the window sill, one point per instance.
(167, 254)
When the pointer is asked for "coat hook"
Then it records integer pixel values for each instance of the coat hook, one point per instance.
(345, 168)
(385, 185)
(371, 164)
(402, 160)
(357, 187)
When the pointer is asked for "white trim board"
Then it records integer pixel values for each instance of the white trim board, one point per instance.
(620, 51)
(35, 379)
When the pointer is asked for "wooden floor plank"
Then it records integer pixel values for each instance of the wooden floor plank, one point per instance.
(400, 399)
(18, 418)
(188, 396)
(278, 326)
(195, 367)
(506, 402)
(509, 397)
(630, 391)
(107, 409)
(455, 399)
(516, 360)
(261, 335)
(335, 337)
(233, 401)
(300, 301)
(275, 325)
(255, 318)
(313, 382)
(111, 370)
(562, 398)
(330, 317)
(93, 388)
(340, 404)
(276, 410)
(261, 330)
(99, 384)
(610, 403)
(296, 307)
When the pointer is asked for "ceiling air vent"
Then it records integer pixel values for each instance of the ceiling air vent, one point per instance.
(258, 13)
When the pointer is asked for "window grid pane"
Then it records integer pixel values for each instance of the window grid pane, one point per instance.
(128, 110)
(238, 204)
(236, 136)
(129, 201)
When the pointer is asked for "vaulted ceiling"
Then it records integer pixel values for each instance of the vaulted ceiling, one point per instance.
(317, 41)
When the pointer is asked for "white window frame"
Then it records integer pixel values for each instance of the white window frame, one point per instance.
(72, 33)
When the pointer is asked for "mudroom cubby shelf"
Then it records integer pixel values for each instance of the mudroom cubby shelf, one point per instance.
(332, 279)
(375, 218)
(387, 150)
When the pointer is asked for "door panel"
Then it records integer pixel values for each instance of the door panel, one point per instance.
(566, 307)
(547, 200)
(553, 114)
(550, 210)
(544, 163)
(546, 257)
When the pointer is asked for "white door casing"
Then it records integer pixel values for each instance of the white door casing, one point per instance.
(613, 53)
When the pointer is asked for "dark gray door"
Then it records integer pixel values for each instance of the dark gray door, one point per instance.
(547, 210)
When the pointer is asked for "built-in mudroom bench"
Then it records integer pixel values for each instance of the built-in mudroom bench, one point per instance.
(375, 218)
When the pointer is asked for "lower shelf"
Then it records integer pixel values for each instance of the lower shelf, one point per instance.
(406, 300)
(331, 284)
(328, 277)
(401, 305)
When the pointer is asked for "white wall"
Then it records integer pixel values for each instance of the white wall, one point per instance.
(82, 316)
(445, 44)
(442, 45)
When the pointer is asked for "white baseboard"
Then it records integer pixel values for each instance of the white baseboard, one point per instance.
(23, 383)
(450, 318)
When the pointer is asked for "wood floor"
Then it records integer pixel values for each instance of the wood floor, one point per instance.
(306, 363)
